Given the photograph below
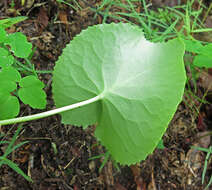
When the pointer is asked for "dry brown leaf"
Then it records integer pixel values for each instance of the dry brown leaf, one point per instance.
(193, 161)
(206, 80)
(204, 139)
(63, 17)
(152, 185)
(136, 170)
(108, 174)
(92, 166)
(43, 18)
(118, 186)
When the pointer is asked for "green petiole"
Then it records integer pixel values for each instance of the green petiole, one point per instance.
(51, 112)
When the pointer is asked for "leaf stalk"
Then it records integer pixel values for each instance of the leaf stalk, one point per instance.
(51, 112)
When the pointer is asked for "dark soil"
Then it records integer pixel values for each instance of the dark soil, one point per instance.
(50, 26)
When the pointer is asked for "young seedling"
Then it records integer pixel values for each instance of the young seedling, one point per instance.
(12, 85)
(209, 152)
(114, 78)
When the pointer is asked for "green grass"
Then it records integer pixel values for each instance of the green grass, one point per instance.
(72, 3)
(106, 157)
(209, 153)
(11, 148)
(158, 25)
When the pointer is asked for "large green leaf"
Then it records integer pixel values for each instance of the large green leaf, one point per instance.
(141, 84)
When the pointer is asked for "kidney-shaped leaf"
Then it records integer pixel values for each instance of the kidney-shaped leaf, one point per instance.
(31, 92)
(9, 105)
(204, 58)
(5, 59)
(141, 84)
(19, 45)
(9, 74)
(3, 34)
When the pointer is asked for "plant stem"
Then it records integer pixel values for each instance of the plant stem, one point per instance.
(51, 112)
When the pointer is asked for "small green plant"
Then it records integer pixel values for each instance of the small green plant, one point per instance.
(128, 86)
(160, 145)
(11, 148)
(106, 156)
(203, 56)
(16, 82)
(198, 58)
(209, 152)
